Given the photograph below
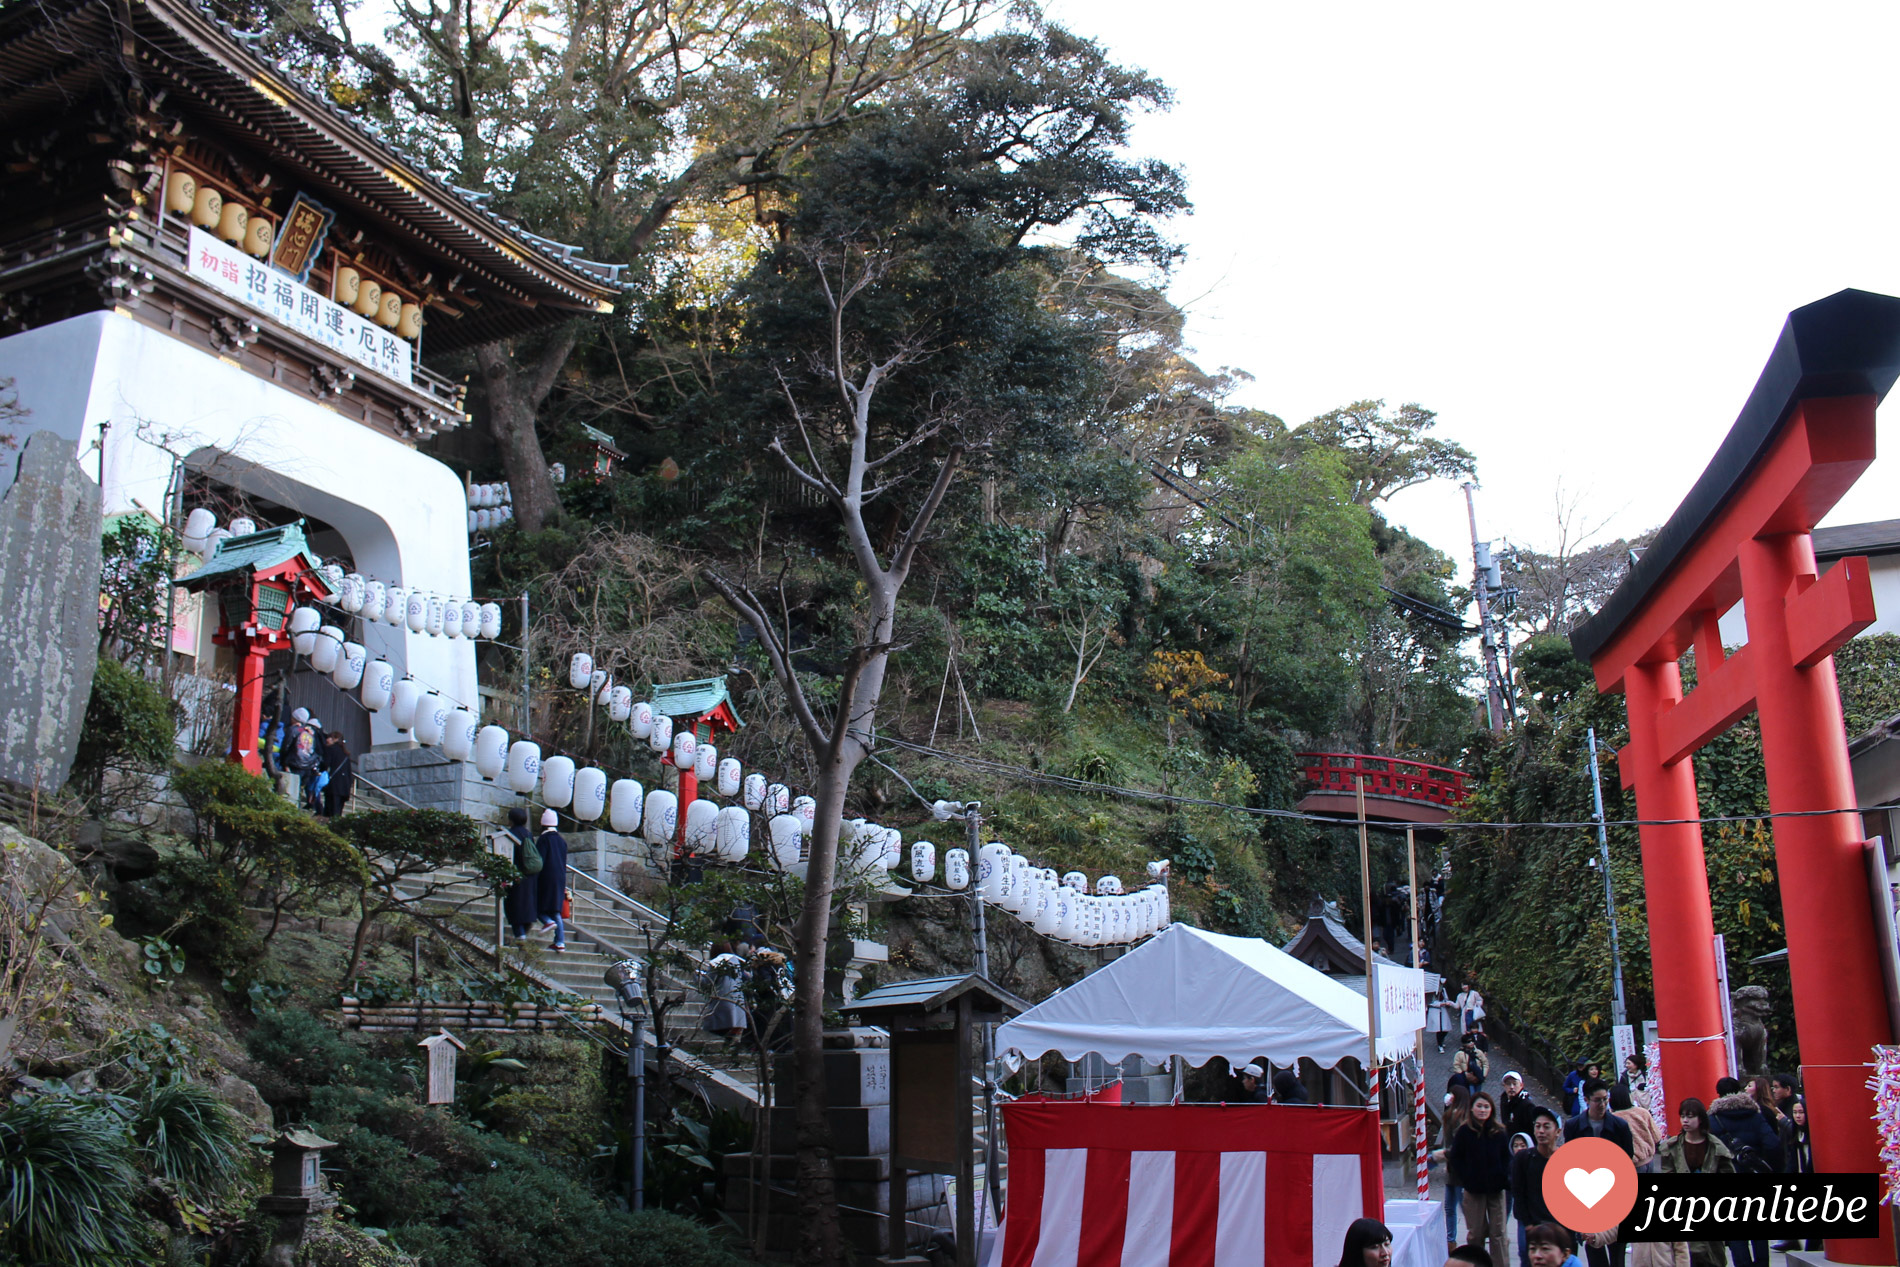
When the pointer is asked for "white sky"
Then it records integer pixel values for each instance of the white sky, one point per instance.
(1574, 231)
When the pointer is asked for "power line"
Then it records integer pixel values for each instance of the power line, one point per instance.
(1025, 775)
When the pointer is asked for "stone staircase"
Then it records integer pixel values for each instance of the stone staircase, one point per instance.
(607, 926)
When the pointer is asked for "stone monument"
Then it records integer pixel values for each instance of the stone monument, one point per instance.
(49, 612)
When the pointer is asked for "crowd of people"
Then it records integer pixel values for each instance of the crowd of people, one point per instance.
(311, 765)
(1494, 1150)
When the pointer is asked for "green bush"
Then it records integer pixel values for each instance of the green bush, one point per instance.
(203, 900)
(188, 1137)
(130, 726)
(306, 1053)
(67, 1184)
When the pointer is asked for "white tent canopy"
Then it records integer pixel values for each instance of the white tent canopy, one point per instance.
(1198, 995)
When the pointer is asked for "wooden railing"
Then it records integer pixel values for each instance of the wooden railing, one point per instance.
(1385, 776)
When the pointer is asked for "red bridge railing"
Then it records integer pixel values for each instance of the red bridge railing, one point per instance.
(1384, 776)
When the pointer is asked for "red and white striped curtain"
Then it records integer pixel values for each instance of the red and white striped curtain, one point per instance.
(1185, 1186)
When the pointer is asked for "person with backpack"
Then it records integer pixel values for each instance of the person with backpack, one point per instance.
(1797, 1153)
(1736, 1119)
(1470, 1062)
(302, 755)
(519, 906)
(550, 894)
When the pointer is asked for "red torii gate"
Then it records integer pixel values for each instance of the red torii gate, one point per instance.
(1743, 533)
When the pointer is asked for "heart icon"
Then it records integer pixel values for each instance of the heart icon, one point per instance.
(1589, 1186)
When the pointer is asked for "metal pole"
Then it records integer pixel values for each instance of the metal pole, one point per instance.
(637, 1072)
(1418, 1117)
(973, 826)
(527, 716)
(1365, 915)
(1619, 1013)
(1493, 700)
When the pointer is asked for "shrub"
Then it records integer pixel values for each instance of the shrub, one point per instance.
(67, 1184)
(306, 1053)
(187, 1137)
(130, 727)
(200, 900)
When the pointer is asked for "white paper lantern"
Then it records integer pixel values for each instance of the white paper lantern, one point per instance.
(992, 865)
(332, 574)
(923, 862)
(432, 719)
(788, 838)
(348, 673)
(660, 738)
(451, 619)
(590, 794)
(730, 776)
(619, 704)
(706, 763)
(491, 620)
(849, 830)
(524, 765)
(474, 496)
(327, 650)
(375, 601)
(893, 847)
(702, 817)
(753, 792)
(1015, 884)
(778, 799)
(599, 682)
(396, 609)
(685, 749)
(379, 678)
(491, 752)
(198, 526)
(1065, 900)
(804, 809)
(1047, 916)
(641, 722)
(474, 522)
(732, 834)
(458, 734)
(471, 618)
(416, 616)
(557, 782)
(433, 615)
(1077, 881)
(350, 595)
(660, 819)
(304, 623)
(402, 704)
(625, 800)
(956, 869)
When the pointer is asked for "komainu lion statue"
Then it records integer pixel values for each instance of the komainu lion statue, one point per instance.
(1750, 1008)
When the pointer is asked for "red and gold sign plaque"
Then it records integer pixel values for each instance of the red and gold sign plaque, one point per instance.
(300, 239)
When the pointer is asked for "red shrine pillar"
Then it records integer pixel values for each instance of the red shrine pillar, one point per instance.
(248, 716)
(1689, 1007)
(1833, 953)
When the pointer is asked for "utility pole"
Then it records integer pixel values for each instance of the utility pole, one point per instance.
(1480, 575)
(1619, 1013)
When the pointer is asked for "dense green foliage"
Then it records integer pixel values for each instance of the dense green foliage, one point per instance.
(449, 1192)
(130, 728)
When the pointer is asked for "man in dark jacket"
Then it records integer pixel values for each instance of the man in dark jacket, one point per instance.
(1737, 1121)
(1597, 1120)
(519, 904)
(1516, 1107)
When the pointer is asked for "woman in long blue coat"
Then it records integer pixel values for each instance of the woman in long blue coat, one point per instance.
(551, 893)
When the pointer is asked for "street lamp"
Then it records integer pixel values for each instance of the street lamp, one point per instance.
(624, 979)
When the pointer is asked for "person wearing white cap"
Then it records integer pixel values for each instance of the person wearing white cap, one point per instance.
(1251, 1092)
(1515, 1106)
(550, 897)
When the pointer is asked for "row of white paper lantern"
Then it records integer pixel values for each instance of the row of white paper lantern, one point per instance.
(488, 496)
(379, 604)
(484, 520)
(202, 533)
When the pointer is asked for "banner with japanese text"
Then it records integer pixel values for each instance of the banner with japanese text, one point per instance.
(231, 272)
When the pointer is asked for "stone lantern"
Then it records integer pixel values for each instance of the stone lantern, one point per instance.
(296, 1192)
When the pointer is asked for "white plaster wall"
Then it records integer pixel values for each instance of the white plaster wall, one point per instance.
(404, 514)
(1883, 570)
